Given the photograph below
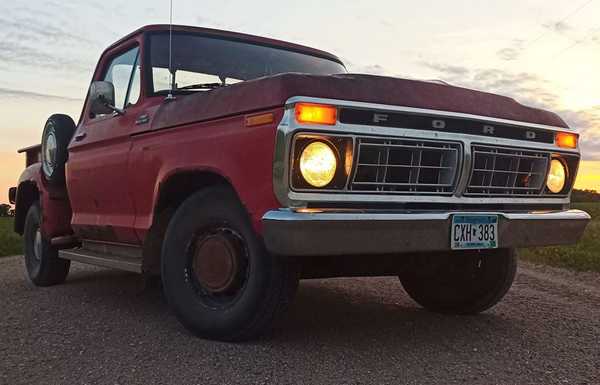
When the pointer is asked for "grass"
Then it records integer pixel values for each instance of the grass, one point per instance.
(584, 256)
(10, 242)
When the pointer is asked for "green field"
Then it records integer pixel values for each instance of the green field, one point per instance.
(10, 243)
(584, 256)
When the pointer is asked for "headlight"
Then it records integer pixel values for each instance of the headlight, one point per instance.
(557, 176)
(318, 164)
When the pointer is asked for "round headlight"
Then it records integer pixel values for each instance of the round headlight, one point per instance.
(557, 176)
(318, 164)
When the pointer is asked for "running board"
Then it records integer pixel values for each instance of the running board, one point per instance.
(122, 257)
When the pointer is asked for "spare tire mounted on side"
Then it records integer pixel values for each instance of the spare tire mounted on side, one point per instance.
(57, 134)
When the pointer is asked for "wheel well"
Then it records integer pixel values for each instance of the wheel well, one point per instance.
(172, 192)
(27, 194)
(180, 186)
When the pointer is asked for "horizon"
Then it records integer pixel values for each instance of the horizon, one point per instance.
(545, 55)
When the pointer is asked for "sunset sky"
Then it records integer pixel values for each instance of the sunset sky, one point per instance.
(543, 53)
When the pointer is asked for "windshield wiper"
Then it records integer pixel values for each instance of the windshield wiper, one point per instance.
(201, 86)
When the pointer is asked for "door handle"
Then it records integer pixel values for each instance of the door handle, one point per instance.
(79, 137)
(142, 119)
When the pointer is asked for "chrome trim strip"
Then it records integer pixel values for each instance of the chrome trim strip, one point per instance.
(332, 215)
(97, 259)
(336, 198)
(412, 110)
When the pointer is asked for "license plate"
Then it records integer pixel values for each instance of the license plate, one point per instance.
(471, 231)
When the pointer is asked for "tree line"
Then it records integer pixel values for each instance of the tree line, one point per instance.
(585, 196)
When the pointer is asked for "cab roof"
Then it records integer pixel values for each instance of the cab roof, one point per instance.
(217, 33)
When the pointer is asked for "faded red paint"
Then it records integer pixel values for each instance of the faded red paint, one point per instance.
(242, 155)
(115, 174)
(56, 210)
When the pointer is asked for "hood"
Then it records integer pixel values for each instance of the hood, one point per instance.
(274, 91)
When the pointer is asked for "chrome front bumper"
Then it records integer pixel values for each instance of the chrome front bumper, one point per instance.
(297, 233)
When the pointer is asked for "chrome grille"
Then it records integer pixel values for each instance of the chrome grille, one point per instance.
(405, 166)
(507, 171)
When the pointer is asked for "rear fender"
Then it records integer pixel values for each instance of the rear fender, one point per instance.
(54, 201)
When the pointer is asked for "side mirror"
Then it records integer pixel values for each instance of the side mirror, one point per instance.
(102, 98)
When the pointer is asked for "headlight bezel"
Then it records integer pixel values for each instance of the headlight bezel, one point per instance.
(339, 144)
(562, 169)
(570, 162)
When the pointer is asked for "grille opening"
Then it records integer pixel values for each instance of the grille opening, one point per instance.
(502, 171)
(405, 166)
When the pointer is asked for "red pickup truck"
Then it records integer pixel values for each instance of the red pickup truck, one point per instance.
(233, 165)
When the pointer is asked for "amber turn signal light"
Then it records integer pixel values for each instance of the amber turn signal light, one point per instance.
(257, 120)
(316, 113)
(566, 139)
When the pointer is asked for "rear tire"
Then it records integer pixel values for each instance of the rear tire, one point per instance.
(42, 264)
(57, 134)
(466, 282)
(217, 275)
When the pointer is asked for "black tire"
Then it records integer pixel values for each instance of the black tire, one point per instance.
(254, 293)
(42, 264)
(57, 134)
(466, 282)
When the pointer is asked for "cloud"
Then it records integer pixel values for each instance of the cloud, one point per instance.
(529, 89)
(386, 24)
(26, 29)
(446, 69)
(559, 27)
(10, 93)
(372, 69)
(13, 53)
(49, 23)
(43, 38)
(512, 52)
(508, 53)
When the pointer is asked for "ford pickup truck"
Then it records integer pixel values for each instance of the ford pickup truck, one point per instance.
(232, 166)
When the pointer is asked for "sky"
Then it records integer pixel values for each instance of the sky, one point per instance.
(544, 53)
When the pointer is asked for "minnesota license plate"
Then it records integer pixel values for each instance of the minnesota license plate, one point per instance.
(471, 231)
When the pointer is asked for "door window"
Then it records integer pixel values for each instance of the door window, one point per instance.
(124, 73)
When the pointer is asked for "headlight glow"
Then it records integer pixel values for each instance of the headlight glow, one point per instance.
(557, 176)
(318, 164)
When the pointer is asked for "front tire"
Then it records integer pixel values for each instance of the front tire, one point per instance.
(217, 275)
(465, 282)
(43, 266)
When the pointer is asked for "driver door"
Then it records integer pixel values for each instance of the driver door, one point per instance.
(97, 172)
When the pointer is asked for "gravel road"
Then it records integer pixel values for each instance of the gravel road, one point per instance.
(103, 327)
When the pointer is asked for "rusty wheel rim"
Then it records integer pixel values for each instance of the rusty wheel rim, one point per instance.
(218, 266)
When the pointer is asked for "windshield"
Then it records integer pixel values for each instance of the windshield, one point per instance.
(202, 62)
